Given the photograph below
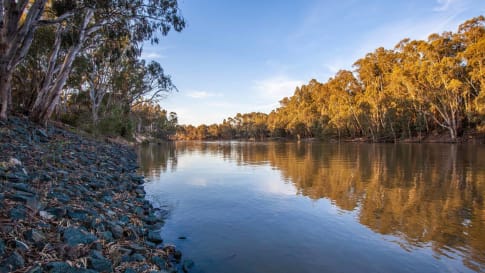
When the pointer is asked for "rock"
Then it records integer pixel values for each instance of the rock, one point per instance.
(150, 244)
(45, 215)
(14, 162)
(35, 236)
(20, 196)
(151, 219)
(63, 267)
(34, 204)
(21, 246)
(187, 265)
(158, 261)
(137, 257)
(177, 255)
(42, 133)
(154, 236)
(130, 270)
(107, 236)
(2, 247)
(57, 212)
(74, 236)
(124, 251)
(79, 215)
(13, 262)
(137, 248)
(18, 213)
(100, 264)
(61, 197)
(116, 229)
(139, 211)
(124, 219)
(17, 177)
(35, 269)
(23, 187)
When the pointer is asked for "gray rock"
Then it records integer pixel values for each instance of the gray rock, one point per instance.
(17, 177)
(42, 133)
(61, 197)
(20, 196)
(21, 246)
(107, 236)
(2, 247)
(13, 262)
(137, 257)
(23, 187)
(79, 215)
(159, 261)
(137, 248)
(57, 212)
(116, 229)
(35, 269)
(124, 219)
(62, 267)
(100, 264)
(18, 213)
(155, 236)
(35, 236)
(74, 236)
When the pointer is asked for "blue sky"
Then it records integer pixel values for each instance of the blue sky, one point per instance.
(243, 56)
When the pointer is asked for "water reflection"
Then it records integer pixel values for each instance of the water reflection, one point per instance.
(423, 194)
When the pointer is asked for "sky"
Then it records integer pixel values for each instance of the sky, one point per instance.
(244, 56)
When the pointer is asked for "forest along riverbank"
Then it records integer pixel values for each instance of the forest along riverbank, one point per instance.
(72, 204)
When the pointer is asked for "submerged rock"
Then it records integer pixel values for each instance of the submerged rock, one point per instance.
(187, 265)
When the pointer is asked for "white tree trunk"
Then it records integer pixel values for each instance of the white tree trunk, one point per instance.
(16, 36)
(48, 98)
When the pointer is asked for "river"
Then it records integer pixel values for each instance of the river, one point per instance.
(314, 207)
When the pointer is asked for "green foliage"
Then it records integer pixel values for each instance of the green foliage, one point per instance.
(116, 122)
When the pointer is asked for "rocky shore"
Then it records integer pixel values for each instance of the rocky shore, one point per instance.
(73, 204)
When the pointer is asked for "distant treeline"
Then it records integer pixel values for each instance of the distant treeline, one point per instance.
(419, 88)
(80, 62)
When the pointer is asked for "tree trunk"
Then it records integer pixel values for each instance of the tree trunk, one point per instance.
(48, 97)
(18, 22)
(5, 84)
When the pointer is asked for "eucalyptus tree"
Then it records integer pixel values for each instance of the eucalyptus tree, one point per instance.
(139, 20)
(18, 23)
(472, 34)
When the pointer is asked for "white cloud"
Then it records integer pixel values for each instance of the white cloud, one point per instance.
(276, 88)
(196, 94)
(152, 56)
(443, 5)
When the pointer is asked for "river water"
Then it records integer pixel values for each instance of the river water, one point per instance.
(313, 207)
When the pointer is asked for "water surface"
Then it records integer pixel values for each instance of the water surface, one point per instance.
(313, 207)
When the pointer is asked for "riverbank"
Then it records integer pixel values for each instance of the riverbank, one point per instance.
(69, 203)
